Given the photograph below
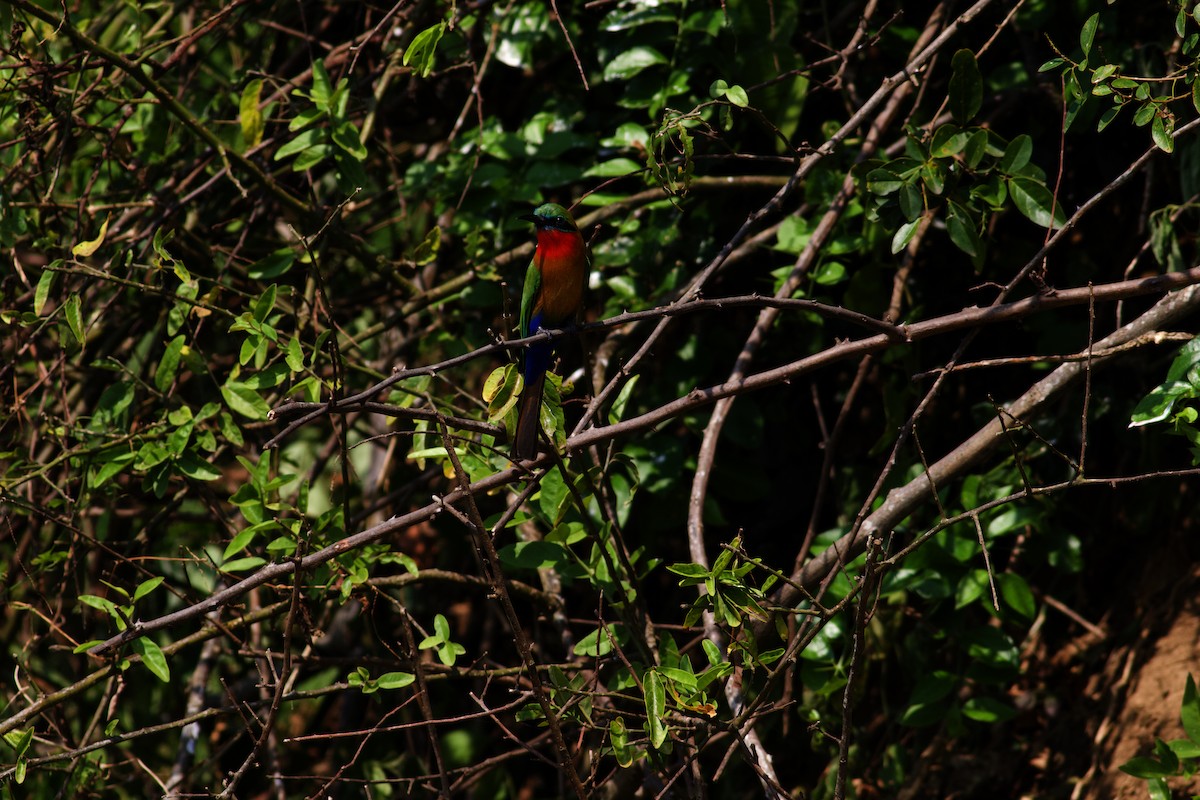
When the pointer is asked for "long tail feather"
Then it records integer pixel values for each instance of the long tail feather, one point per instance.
(529, 413)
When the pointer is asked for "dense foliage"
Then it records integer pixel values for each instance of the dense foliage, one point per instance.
(840, 452)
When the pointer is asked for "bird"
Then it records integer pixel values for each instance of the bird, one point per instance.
(551, 298)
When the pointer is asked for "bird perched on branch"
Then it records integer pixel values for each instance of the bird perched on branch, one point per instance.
(552, 297)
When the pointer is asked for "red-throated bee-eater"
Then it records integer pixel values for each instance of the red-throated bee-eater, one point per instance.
(552, 297)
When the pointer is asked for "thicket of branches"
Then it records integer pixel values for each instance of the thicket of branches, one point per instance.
(878, 291)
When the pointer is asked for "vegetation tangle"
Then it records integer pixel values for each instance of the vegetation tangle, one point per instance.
(866, 468)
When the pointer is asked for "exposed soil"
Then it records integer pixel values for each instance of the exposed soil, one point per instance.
(1150, 708)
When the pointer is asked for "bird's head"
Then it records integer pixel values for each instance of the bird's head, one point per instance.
(552, 217)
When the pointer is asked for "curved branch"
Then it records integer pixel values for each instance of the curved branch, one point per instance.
(902, 501)
(964, 319)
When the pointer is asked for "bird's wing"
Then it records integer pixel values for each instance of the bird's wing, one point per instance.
(529, 296)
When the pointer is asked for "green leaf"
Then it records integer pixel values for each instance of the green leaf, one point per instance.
(533, 555)
(1161, 130)
(966, 87)
(883, 181)
(656, 707)
(692, 571)
(1016, 594)
(1166, 755)
(976, 149)
(552, 496)
(597, 643)
(113, 467)
(737, 95)
(1011, 519)
(19, 740)
(617, 412)
(1088, 34)
(904, 235)
(146, 587)
(963, 231)
(1144, 114)
(1159, 404)
(395, 680)
(304, 141)
(44, 285)
(948, 140)
(168, 366)
(987, 709)
(829, 273)
(1035, 201)
(614, 168)
(249, 115)
(912, 202)
(242, 564)
(153, 658)
(502, 390)
(970, 588)
(347, 137)
(423, 49)
(102, 603)
(311, 157)
(322, 86)
(631, 62)
(240, 541)
(274, 265)
(1144, 767)
(294, 355)
(1107, 117)
(618, 737)
(1190, 711)
(1184, 748)
(1017, 154)
(244, 400)
(265, 303)
(933, 175)
(73, 312)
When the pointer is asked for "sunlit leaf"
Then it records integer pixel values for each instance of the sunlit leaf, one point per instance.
(88, 247)
(249, 115)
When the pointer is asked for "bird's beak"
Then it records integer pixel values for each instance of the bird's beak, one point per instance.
(530, 218)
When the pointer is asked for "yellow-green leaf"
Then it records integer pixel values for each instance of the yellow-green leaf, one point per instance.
(85, 249)
(249, 114)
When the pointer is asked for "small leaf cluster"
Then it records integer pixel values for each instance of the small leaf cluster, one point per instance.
(325, 131)
(1174, 402)
(361, 679)
(122, 614)
(727, 594)
(966, 172)
(439, 641)
(1150, 97)
(1178, 758)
